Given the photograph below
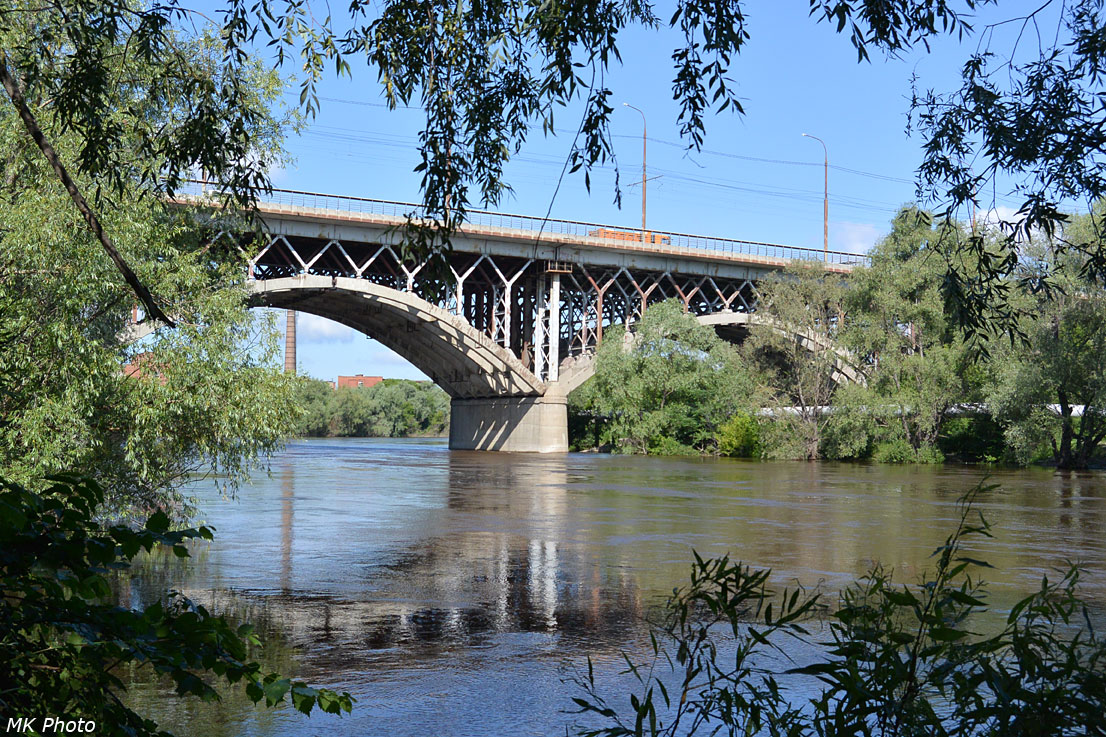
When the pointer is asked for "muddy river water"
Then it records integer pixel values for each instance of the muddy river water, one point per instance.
(453, 593)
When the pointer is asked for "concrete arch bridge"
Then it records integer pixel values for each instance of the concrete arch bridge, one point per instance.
(532, 297)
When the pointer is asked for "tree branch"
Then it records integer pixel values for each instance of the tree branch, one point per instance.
(29, 122)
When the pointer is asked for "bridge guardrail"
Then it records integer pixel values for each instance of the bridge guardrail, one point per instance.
(666, 240)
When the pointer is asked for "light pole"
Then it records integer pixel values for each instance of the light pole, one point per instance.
(643, 140)
(825, 208)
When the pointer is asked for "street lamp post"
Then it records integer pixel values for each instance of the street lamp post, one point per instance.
(825, 203)
(643, 141)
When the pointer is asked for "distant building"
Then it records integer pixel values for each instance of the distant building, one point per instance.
(142, 365)
(360, 380)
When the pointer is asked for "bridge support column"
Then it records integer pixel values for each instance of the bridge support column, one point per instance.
(514, 424)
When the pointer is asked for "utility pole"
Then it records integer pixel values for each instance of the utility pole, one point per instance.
(643, 143)
(825, 203)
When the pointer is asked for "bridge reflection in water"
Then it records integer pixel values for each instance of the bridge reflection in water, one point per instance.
(451, 590)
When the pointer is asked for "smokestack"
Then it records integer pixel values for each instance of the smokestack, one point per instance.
(290, 344)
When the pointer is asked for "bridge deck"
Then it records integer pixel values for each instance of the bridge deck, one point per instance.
(571, 234)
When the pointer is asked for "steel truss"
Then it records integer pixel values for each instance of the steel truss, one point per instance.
(519, 303)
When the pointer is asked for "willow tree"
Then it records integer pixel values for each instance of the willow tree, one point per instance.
(1048, 392)
(202, 398)
(798, 349)
(915, 359)
(668, 385)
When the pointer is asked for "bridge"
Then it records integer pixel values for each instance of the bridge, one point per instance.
(517, 329)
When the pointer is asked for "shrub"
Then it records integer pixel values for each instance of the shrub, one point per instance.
(972, 438)
(898, 450)
(740, 437)
(666, 446)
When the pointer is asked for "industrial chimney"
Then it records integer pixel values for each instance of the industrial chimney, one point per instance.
(290, 344)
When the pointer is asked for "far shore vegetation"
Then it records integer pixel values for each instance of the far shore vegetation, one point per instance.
(394, 408)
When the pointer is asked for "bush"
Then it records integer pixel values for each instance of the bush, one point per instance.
(898, 450)
(62, 643)
(898, 659)
(665, 446)
(740, 437)
(973, 438)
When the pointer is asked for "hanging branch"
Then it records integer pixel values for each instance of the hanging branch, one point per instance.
(20, 103)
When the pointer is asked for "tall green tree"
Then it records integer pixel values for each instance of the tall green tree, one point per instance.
(666, 386)
(798, 348)
(1039, 384)
(915, 360)
(203, 398)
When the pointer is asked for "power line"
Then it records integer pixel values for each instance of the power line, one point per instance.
(663, 142)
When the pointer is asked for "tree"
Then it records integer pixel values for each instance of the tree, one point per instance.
(798, 349)
(667, 385)
(393, 408)
(62, 640)
(203, 398)
(1061, 363)
(1027, 119)
(915, 360)
(314, 398)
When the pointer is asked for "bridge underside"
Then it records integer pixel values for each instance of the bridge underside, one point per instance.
(496, 402)
(516, 329)
(539, 311)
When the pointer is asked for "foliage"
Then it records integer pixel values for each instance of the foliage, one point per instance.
(916, 361)
(394, 408)
(972, 438)
(740, 436)
(63, 643)
(797, 349)
(667, 386)
(1025, 118)
(206, 397)
(899, 450)
(1062, 362)
(899, 659)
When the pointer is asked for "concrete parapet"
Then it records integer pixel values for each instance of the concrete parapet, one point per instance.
(514, 424)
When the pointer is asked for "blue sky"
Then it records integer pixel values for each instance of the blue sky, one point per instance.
(757, 177)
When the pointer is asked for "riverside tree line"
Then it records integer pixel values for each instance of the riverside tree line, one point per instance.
(929, 391)
(393, 408)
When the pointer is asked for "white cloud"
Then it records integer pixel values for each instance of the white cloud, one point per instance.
(853, 237)
(317, 329)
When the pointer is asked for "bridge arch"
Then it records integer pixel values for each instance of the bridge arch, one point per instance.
(461, 360)
(583, 367)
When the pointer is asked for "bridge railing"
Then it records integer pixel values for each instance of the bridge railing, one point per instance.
(600, 233)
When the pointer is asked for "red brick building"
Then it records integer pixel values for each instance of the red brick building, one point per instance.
(359, 380)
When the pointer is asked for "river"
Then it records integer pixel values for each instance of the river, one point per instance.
(454, 592)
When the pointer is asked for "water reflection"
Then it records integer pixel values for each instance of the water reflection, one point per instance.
(448, 590)
(287, 500)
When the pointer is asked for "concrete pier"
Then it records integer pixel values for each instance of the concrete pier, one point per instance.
(513, 424)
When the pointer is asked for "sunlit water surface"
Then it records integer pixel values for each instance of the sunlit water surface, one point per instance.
(453, 593)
